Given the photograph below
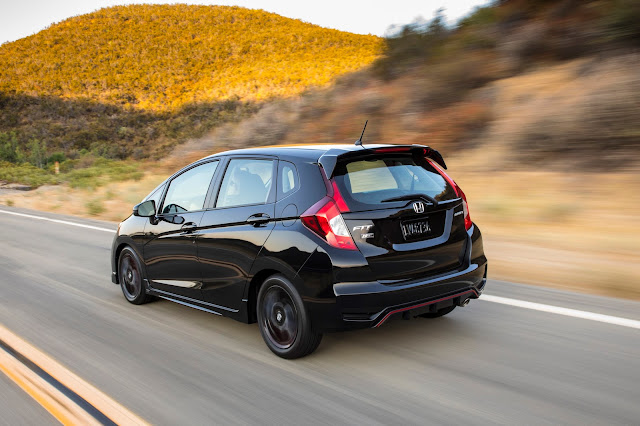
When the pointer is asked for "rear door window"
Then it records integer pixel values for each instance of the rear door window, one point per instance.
(366, 182)
(246, 181)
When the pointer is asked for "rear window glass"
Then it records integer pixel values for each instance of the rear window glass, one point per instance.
(246, 182)
(366, 182)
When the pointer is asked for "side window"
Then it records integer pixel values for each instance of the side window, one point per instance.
(187, 192)
(288, 181)
(246, 181)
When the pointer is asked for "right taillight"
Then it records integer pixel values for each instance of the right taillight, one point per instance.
(459, 193)
(465, 208)
(325, 219)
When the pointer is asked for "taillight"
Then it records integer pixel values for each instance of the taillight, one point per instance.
(465, 208)
(324, 218)
(459, 193)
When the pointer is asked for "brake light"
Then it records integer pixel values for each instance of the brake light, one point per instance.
(337, 197)
(465, 208)
(394, 149)
(459, 193)
(324, 219)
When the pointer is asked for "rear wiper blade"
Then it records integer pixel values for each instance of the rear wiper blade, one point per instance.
(409, 197)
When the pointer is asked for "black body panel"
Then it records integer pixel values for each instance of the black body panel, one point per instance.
(227, 248)
(219, 263)
(171, 258)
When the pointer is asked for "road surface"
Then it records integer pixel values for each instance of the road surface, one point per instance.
(483, 364)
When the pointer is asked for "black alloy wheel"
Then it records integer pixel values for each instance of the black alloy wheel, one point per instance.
(281, 318)
(130, 277)
(283, 321)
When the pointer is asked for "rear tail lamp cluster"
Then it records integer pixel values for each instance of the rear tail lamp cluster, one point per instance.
(324, 218)
(459, 193)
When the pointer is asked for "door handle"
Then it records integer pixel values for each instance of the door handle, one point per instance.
(258, 219)
(188, 227)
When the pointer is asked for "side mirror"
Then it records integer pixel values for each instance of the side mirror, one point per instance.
(176, 220)
(145, 209)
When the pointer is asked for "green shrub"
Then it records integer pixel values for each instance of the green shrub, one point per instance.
(102, 171)
(27, 174)
(9, 148)
(622, 21)
(95, 207)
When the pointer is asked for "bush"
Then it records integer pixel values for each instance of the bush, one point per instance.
(102, 171)
(95, 207)
(57, 156)
(622, 22)
(9, 148)
(27, 174)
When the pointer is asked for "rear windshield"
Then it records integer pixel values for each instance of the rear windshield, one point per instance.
(366, 182)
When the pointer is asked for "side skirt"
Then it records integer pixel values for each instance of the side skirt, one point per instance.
(236, 314)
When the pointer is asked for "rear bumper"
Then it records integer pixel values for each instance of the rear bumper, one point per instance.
(372, 308)
(371, 304)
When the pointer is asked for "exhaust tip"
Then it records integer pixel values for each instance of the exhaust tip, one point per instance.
(465, 302)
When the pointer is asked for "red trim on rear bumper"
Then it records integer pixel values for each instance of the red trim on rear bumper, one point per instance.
(408, 308)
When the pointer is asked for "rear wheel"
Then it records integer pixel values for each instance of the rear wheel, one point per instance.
(441, 312)
(283, 320)
(130, 277)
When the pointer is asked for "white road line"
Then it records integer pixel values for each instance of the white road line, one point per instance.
(64, 222)
(625, 322)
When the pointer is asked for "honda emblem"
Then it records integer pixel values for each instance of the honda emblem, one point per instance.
(418, 207)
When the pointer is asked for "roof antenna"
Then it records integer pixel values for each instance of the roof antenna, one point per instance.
(359, 141)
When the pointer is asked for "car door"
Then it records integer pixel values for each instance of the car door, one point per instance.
(170, 254)
(236, 227)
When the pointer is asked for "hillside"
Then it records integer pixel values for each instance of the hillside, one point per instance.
(133, 81)
(160, 57)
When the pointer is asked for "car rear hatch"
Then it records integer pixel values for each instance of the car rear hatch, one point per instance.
(405, 215)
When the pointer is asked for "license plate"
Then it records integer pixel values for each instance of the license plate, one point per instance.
(415, 229)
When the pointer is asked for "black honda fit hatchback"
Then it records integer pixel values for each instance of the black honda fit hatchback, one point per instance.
(305, 240)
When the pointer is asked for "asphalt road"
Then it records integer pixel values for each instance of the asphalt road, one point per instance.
(486, 363)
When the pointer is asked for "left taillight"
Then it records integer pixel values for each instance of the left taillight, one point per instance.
(459, 192)
(325, 220)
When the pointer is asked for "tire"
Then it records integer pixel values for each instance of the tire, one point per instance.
(440, 313)
(283, 320)
(131, 277)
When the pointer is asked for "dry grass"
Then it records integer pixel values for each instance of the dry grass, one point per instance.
(112, 202)
(576, 231)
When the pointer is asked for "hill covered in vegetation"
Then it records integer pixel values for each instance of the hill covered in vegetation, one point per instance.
(134, 81)
(160, 57)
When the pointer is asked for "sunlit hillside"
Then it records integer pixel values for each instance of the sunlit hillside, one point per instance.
(135, 81)
(163, 57)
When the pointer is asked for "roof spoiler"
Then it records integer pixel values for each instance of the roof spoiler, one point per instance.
(330, 158)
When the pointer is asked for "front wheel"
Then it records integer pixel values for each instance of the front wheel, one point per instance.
(130, 277)
(284, 323)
